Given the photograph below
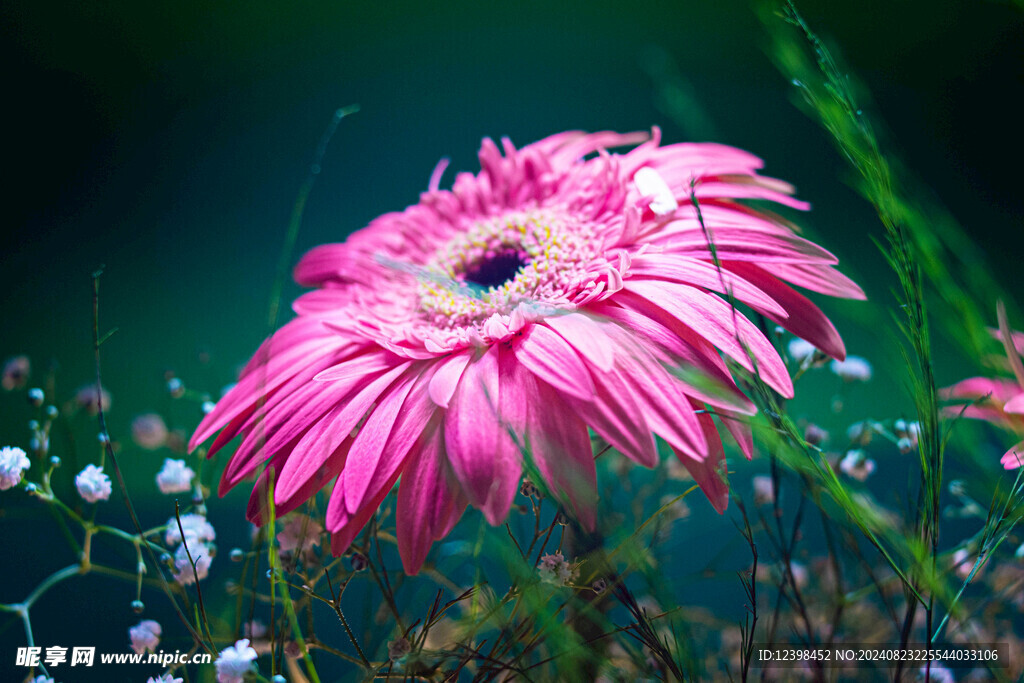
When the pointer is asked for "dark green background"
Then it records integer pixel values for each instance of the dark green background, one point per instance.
(168, 141)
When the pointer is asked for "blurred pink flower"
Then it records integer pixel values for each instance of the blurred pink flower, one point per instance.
(149, 431)
(15, 373)
(996, 400)
(549, 293)
(86, 397)
(299, 530)
(963, 563)
(145, 636)
(857, 465)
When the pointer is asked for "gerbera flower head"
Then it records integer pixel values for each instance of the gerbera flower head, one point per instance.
(995, 399)
(481, 331)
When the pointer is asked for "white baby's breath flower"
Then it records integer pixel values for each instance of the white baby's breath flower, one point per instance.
(163, 678)
(174, 477)
(183, 573)
(196, 528)
(764, 490)
(234, 662)
(13, 463)
(92, 484)
(937, 673)
(853, 369)
(801, 350)
(800, 574)
(145, 636)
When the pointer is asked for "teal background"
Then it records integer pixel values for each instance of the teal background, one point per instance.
(168, 142)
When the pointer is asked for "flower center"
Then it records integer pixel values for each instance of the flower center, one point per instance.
(495, 265)
(496, 268)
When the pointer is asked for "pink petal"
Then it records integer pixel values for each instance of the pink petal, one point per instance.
(586, 336)
(680, 162)
(716, 321)
(483, 457)
(548, 356)
(702, 274)
(805, 320)
(260, 382)
(739, 428)
(446, 378)
(343, 525)
(743, 186)
(322, 301)
(737, 244)
(359, 366)
(293, 333)
(429, 501)
(682, 348)
(230, 431)
(326, 435)
(708, 473)
(819, 278)
(321, 264)
(615, 415)
(1014, 457)
(658, 394)
(256, 510)
(560, 448)
(998, 390)
(373, 460)
(1015, 405)
(286, 420)
(368, 446)
(436, 174)
(274, 412)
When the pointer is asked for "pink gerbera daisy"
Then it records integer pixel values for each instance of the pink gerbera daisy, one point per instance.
(994, 399)
(484, 329)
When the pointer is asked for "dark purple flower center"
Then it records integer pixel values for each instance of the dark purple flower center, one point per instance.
(496, 269)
